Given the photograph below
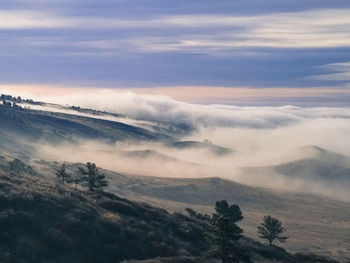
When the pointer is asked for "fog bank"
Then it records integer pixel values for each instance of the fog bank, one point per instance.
(257, 136)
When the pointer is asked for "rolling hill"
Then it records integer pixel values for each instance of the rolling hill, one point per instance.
(46, 222)
(205, 145)
(316, 164)
(316, 223)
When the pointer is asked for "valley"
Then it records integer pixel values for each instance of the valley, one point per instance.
(316, 222)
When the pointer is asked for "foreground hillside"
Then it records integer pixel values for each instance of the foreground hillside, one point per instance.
(45, 222)
(315, 224)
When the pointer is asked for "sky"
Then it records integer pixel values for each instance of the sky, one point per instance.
(257, 52)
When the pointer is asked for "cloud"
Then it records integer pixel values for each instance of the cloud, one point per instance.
(200, 32)
(341, 72)
(310, 29)
(23, 19)
(164, 108)
(247, 129)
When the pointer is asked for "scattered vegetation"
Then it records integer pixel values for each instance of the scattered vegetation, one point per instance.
(17, 166)
(271, 229)
(18, 99)
(89, 177)
(44, 222)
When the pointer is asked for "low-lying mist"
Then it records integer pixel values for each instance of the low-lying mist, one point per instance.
(258, 136)
(156, 159)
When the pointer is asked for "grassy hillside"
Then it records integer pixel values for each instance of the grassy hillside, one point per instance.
(315, 224)
(45, 222)
(55, 126)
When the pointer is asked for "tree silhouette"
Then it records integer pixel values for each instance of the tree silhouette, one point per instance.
(77, 178)
(223, 232)
(92, 178)
(62, 176)
(19, 167)
(270, 229)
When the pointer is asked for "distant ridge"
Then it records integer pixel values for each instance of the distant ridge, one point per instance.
(314, 163)
(316, 152)
(207, 145)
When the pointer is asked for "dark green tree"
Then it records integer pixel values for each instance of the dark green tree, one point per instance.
(62, 176)
(191, 212)
(270, 229)
(194, 214)
(77, 179)
(223, 232)
(19, 167)
(92, 178)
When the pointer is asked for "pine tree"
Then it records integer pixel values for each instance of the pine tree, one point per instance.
(270, 229)
(76, 179)
(92, 178)
(16, 165)
(223, 232)
(62, 176)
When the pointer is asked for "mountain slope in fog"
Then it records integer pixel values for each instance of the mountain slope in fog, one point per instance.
(317, 164)
(314, 169)
(324, 155)
(205, 145)
(56, 126)
(151, 154)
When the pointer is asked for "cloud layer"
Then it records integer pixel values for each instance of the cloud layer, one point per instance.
(226, 124)
(205, 33)
(255, 44)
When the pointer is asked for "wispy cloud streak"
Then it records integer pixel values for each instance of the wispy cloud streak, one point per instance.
(202, 33)
(340, 72)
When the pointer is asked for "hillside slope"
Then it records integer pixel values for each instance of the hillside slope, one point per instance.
(316, 224)
(55, 126)
(45, 222)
